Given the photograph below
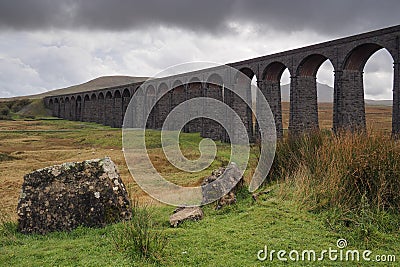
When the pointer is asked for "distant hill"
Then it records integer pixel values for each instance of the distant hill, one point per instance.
(325, 95)
(98, 83)
(325, 92)
(378, 102)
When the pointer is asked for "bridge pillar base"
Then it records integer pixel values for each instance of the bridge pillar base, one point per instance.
(350, 103)
(303, 105)
(272, 93)
(396, 101)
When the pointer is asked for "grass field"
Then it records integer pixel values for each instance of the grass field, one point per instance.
(283, 219)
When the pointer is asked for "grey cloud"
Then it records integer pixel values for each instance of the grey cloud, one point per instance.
(333, 17)
(112, 15)
(326, 17)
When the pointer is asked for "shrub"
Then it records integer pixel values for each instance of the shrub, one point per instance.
(4, 112)
(138, 237)
(8, 229)
(355, 174)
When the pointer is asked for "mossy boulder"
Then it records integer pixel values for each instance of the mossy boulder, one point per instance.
(63, 197)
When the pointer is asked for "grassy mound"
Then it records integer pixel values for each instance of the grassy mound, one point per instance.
(35, 109)
(8, 108)
(23, 108)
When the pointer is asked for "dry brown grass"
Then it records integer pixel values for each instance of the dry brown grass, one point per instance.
(37, 150)
(33, 151)
(379, 118)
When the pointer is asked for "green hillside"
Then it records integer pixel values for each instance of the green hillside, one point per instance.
(98, 83)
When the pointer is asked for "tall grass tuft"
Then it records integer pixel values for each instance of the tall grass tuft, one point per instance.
(354, 173)
(8, 229)
(138, 236)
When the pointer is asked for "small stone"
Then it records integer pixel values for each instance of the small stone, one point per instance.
(185, 213)
(212, 189)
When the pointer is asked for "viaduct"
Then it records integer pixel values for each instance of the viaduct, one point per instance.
(347, 55)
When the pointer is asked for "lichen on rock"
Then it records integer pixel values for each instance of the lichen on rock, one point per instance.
(63, 197)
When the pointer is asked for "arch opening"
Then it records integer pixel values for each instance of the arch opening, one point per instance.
(78, 108)
(101, 108)
(93, 108)
(238, 105)
(62, 108)
(359, 56)
(178, 96)
(275, 86)
(358, 81)
(378, 80)
(117, 121)
(163, 105)
(73, 108)
(213, 89)
(109, 106)
(311, 101)
(150, 100)
(194, 90)
(67, 108)
(86, 108)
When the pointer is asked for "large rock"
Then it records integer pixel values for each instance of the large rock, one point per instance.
(182, 214)
(63, 197)
(211, 189)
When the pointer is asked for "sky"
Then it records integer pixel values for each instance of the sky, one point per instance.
(50, 44)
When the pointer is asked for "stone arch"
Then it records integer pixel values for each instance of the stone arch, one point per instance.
(194, 90)
(214, 89)
(242, 84)
(56, 111)
(93, 108)
(270, 86)
(215, 78)
(310, 64)
(163, 105)
(139, 108)
(73, 108)
(239, 78)
(67, 108)
(356, 59)
(126, 98)
(150, 100)
(117, 109)
(100, 108)
(79, 108)
(273, 71)
(178, 96)
(51, 106)
(86, 108)
(109, 108)
(62, 107)
(303, 94)
(351, 107)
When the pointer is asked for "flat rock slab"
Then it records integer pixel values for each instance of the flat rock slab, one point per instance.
(223, 192)
(63, 197)
(185, 213)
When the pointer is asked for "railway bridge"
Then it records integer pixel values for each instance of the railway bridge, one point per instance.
(348, 57)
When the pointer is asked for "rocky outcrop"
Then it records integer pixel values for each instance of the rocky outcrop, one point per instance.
(63, 197)
(233, 179)
(182, 214)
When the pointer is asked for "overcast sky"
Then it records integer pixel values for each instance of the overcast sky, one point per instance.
(49, 44)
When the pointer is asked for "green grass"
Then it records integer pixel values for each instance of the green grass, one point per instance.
(81, 247)
(231, 236)
(297, 214)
